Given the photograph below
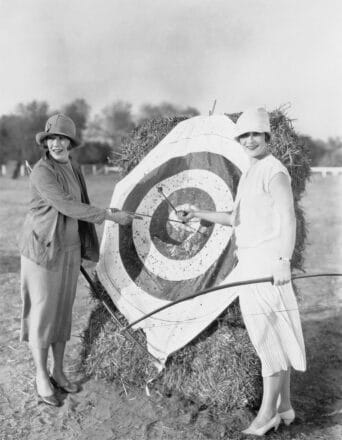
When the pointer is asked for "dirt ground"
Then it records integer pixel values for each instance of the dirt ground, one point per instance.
(102, 411)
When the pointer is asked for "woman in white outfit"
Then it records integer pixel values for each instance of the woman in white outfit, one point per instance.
(265, 227)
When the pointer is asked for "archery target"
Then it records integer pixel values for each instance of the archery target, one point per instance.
(163, 256)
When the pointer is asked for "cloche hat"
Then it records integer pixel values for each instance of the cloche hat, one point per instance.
(253, 120)
(60, 125)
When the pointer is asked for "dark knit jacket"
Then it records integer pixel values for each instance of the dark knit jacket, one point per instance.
(41, 239)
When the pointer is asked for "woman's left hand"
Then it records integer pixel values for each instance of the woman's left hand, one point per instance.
(281, 272)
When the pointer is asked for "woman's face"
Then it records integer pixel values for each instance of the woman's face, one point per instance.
(58, 147)
(254, 144)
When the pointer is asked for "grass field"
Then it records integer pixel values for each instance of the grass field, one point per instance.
(102, 412)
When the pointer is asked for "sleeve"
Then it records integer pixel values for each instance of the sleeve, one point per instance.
(274, 168)
(50, 190)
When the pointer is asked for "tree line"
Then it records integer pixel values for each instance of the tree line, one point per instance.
(103, 134)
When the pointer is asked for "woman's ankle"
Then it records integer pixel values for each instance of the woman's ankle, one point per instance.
(264, 417)
(59, 375)
(43, 384)
(284, 405)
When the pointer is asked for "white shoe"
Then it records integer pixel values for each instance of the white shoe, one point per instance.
(288, 416)
(273, 423)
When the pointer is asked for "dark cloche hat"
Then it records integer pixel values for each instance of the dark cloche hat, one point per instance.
(59, 125)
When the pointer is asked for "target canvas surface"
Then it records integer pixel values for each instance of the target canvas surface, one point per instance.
(159, 259)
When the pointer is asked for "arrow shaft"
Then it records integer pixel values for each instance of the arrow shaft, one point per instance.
(160, 190)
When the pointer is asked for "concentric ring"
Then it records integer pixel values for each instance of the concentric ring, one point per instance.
(163, 257)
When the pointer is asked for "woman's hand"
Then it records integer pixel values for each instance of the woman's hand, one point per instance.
(121, 217)
(281, 272)
(186, 216)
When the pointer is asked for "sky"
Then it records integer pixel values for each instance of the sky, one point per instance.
(243, 53)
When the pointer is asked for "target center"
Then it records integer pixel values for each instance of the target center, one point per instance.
(178, 230)
(172, 237)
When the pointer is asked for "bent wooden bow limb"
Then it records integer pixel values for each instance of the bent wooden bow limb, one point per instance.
(118, 323)
(224, 286)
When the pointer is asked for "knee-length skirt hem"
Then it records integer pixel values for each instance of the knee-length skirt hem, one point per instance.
(271, 315)
(48, 297)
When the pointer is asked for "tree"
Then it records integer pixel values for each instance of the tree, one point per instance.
(17, 132)
(34, 116)
(78, 111)
(322, 153)
(92, 152)
(316, 147)
(12, 135)
(333, 156)
(112, 125)
(164, 110)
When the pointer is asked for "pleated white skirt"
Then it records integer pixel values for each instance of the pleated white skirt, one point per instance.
(270, 313)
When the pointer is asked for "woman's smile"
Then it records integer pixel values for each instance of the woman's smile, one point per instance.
(254, 144)
(58, 147)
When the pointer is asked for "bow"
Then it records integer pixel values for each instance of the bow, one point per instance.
(118, 323)
(224, 286)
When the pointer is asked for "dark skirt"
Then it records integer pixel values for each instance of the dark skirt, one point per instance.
(48, 297)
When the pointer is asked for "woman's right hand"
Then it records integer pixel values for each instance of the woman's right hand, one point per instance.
(186, 216)
(121, 217)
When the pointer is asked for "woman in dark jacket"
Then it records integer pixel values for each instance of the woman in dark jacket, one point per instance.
(58, 232)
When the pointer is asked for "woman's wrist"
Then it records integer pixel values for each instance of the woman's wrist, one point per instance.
(108, 214)
(111, 213)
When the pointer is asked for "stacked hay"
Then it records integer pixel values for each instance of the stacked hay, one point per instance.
(219, 369)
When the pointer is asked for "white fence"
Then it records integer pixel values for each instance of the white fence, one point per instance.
(86, 169)
(324, 171)
(100, 169)
(105, 169)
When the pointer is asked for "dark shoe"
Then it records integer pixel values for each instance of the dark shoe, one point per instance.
(67, 388)
(49, 400)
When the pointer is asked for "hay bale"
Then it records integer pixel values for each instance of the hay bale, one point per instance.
(143, 139)
(219, 369)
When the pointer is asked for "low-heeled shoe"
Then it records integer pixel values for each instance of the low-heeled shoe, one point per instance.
(271, 424)
(68, 388)
(288, 416)
(51, 400)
